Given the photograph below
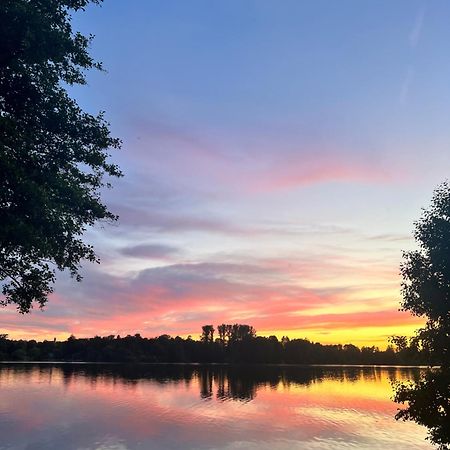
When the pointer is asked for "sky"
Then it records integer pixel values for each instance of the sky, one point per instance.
(276, 155)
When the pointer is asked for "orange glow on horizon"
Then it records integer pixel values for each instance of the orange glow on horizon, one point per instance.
(363, 336)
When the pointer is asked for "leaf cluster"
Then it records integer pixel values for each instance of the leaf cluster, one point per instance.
(428, 404)
(53, 155)
(426, 274)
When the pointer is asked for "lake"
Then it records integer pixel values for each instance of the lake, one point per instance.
(122, 407)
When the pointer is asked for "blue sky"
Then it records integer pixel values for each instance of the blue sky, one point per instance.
(275, 155)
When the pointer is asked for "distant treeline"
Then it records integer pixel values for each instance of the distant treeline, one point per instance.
(235, 344)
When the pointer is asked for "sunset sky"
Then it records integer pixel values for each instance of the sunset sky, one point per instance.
(276, 155)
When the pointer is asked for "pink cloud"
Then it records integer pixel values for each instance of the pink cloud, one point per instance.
(179, 298)
(309, 171)
(248, 164)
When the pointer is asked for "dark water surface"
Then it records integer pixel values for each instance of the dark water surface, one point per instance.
(117, 407)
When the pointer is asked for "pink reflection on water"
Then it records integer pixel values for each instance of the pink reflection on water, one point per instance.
(112, 408)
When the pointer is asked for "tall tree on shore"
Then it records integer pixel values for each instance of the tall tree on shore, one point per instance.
(426, 293)
(207, 333)
(222, 330)
(53, 155)
(426, 276)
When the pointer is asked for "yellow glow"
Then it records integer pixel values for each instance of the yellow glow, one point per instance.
(363, 336)
(37, 335)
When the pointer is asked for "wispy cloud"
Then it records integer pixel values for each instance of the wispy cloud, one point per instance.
(391, 237)
(414, 39)
(170, 221)
(273, 161)
(307, 171)
(416, 31)
(406, 86)
(150, 251)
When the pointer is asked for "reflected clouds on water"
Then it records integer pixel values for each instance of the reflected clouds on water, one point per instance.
(117, 407)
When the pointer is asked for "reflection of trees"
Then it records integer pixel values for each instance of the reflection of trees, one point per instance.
(428, 401)
(222, 382)
(206, 384)
(235, 384)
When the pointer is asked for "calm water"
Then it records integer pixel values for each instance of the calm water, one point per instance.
(87, 407)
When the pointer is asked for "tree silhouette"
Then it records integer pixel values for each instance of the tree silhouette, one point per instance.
(222, 330)
(426, 293)
(426, 276)
(207, 333)
(163, 349)
(53, 155)
(428, 404)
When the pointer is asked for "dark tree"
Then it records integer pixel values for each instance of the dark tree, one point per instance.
(428, 402)
(426, 293)
(207, 333)
(222, 330)
(426, 276)
(53, 155)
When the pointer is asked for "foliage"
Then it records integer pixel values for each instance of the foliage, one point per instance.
(426, 293)
(233, 333)
(163, 349)
(428, 404)
(426, 276)
(53, 155)
(207, 333)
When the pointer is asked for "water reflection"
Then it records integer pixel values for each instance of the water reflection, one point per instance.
(213, 381)
(198, 407)
(428, 403)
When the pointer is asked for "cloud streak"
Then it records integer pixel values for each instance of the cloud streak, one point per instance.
(179, 298)
(150, 251)
(416, 31)
(272, 162)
